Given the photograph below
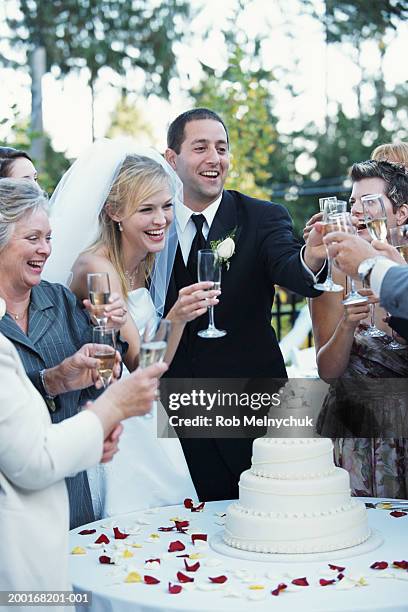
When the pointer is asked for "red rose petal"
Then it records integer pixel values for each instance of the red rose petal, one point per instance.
(153, 560)
(398, 513)
(103, 539)
(174, 589)
(400, 564)
(176, 546)
(379, 565)
(198, 536)
(167, 528)
(151, 580)
(180, 525)
(188, 503)
(119, 535)
(340, 576)
(183, 556)
(281, 587)
(337, 568)
(218, 579)
(300, 581)
(87, 531)
(183, 578)
(104, 559)
(198, 508)
(191, 568)
(324, 582)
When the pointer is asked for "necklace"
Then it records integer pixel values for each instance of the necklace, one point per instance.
(131, 278)
(16, 316)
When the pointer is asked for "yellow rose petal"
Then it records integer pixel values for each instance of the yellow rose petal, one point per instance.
(135, 545)
(127, 554)
(154, 536)
(196, 556)
(133, 577)
(256, 587)
(78, 550)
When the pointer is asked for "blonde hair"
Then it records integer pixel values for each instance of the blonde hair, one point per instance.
(18, 197)
(139, 179)
(395, 152)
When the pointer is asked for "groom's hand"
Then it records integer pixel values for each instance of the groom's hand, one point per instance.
(315, 252)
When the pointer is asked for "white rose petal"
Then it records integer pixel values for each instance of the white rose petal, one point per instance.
(226, 248)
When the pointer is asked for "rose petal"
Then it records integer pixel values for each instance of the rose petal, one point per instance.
(127, 554)
(324, 582)
(167, 528)
(191, 568)
(198, 508)
(151, 580)
(379, 565)
(300, 581)
(104, 559)
(340, 576)
(188, 503)
(103, 539)
(87, 531)
(119, 535)
(218, 579)
(398, 513)
(176, 546)
(337, 568)
(78, 550)
(401, 564)
(281, 587)
(133, 577)
(183, 556)
(174, 589)
(180, 525)
(199, 536)
(183, 578)
(152, 561)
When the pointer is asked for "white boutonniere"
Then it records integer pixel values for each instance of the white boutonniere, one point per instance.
(2, 308)
(224, 248)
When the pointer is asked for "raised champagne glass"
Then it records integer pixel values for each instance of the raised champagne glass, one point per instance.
(328, 206)
(104, 351)
(342, 222)
(375, 217)
(399, 239)
(209, 269)
(99, 294)
(153, 347)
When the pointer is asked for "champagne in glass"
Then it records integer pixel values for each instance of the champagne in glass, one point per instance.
(105, 347)
(399, 239)
(327, 206)
(342, 222)
(99, 293)
(154, 345)
(209, 269)
(378, 228)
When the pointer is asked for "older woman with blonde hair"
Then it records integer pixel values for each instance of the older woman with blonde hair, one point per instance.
(113, 213)
(45, 321)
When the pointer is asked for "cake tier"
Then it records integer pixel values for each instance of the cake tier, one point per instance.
(292, 458)
(288, 496)
(343, 527)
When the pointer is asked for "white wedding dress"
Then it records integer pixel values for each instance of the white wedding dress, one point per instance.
(147, 471)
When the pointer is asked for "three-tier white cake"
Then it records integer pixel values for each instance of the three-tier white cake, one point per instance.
(294, 500)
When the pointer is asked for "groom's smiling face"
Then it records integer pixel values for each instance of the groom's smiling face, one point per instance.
(202, 163)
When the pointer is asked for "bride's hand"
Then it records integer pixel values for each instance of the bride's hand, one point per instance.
(115, 311)
(193, 302)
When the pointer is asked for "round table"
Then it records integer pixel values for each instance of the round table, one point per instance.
(249, 584)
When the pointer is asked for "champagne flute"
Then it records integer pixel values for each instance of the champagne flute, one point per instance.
(376, 221)
(327, 206)
(342, 222)
(99, 294)
(153, 347)
(399, 239)
(209, 269)
(105, 339)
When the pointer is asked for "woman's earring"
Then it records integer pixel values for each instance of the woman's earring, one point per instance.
(120, 226)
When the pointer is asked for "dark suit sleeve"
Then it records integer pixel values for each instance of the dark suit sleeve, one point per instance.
(400, 326)
(394, 291)
(280, 252)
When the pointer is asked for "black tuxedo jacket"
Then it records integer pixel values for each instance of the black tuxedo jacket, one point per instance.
(266, 253)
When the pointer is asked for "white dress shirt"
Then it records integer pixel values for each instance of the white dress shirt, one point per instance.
(378, 272)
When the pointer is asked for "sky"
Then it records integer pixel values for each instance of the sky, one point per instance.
(294, 48)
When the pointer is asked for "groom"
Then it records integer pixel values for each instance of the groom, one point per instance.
(266, 253)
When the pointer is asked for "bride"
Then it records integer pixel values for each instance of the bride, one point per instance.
(112, 212)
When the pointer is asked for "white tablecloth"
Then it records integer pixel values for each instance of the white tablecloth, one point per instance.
(112, 594)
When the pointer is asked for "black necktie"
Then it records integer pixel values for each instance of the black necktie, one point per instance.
(197, 244)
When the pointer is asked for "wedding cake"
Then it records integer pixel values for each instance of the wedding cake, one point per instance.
(294, 500)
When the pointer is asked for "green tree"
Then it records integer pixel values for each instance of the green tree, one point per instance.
(128, 120)
(66, 35)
